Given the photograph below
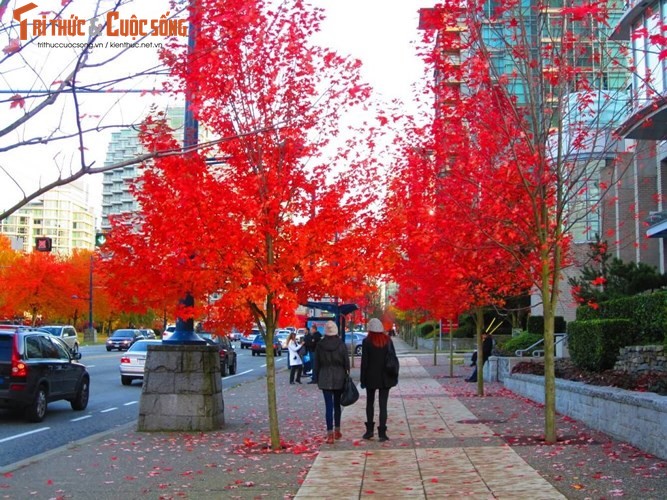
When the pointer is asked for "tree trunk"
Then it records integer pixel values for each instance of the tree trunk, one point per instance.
(479, 327)
(549, 301)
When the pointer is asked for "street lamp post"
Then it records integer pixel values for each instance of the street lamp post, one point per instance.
(90, 332)
(93, 335)
(184, 333)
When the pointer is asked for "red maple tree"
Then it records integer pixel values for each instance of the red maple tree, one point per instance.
(271, 215)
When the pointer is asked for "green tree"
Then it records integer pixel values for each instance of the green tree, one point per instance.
(605, 277)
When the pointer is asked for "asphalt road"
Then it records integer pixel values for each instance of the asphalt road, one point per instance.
(111, 406)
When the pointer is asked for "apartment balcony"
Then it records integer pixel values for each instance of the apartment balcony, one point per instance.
(657, 222)
(633, 9)
(646, 121)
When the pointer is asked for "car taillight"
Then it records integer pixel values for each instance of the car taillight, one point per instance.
(19, 368)
(124, 359)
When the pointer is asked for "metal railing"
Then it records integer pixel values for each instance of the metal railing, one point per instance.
(538, 353)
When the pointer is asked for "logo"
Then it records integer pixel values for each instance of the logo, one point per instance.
(112, 24)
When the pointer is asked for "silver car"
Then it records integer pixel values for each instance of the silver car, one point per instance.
(67, 333)
(132, 363)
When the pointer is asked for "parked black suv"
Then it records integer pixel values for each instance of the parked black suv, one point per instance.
(226, 351)
(37, 368)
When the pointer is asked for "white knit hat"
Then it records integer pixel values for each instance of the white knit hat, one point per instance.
(330, 328)
(375, 325)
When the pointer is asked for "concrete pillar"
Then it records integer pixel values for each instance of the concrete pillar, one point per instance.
(182, 389)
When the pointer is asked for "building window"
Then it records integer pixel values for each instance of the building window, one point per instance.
(583, 214)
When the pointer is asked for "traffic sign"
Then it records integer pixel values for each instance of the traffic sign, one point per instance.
(100, 239)
(43, 244)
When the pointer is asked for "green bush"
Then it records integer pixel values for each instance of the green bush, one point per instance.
(522, 341)
(647, 312)
(594, 344)
(535, 324)
(427, 328)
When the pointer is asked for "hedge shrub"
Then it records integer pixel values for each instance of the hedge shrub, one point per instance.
(594, 345)
(535, 324)
(522, 341)
(647, 312)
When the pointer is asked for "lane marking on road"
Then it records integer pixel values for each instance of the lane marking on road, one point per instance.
(276, 361)
(23, 434)
(130, 403)
(109, 409)
(80, 418)
(237, 374)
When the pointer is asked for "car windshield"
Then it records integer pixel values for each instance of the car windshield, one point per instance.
(6, 347)
(122, 333)
(53, 330)
(258, 339)
(140, 346)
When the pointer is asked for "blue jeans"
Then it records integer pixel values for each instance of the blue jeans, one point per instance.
(332, 408)
(314, 367)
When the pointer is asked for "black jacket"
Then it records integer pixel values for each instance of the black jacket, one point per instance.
(332, 363)
(373, 373)
(311, 340)
(487, 348)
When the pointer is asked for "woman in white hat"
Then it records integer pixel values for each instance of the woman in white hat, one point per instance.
(374, 376)
(331, 366)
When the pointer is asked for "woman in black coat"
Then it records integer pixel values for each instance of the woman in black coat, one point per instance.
(374, 376)
(332, 365)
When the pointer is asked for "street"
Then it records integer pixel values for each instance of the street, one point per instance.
(111, 405)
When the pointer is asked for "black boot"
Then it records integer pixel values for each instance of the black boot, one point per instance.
(382, 433)
(369, 430)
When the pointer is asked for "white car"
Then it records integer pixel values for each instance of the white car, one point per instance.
(168, 331)
(132, 363)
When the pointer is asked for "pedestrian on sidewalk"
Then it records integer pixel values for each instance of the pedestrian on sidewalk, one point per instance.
(294, 359)
(312, 338)
(331, 367)
(487, 349)
(374, 376)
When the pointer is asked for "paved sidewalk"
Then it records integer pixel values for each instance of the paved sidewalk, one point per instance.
(463, 457)
(445, 443)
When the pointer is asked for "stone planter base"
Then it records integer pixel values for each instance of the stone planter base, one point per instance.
(182, 389)
(634, 417)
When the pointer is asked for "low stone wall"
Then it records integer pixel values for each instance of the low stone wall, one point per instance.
(498, 368)
(642, 358)
(634, 417)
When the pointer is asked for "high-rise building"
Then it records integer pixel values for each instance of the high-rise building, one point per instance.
(642, 28)
(123, 146)
(63, 214)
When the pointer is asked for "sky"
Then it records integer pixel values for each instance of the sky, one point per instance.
(381, 33)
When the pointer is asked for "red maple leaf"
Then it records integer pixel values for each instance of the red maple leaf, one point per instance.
(13, 46)
(17, 101)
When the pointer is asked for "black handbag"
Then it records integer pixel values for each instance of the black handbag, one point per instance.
(391, 364)
(350, 392)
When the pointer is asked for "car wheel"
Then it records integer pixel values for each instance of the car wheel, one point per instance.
(75, 349)
(108, 349)
(280, 352)
(223, 369)
(232, 369)
(253, 353)
(80, 401)
(36, 411)
(357, 350)
(125, 380)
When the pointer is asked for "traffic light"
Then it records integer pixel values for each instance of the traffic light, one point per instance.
(100, 239)
(43, 244)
